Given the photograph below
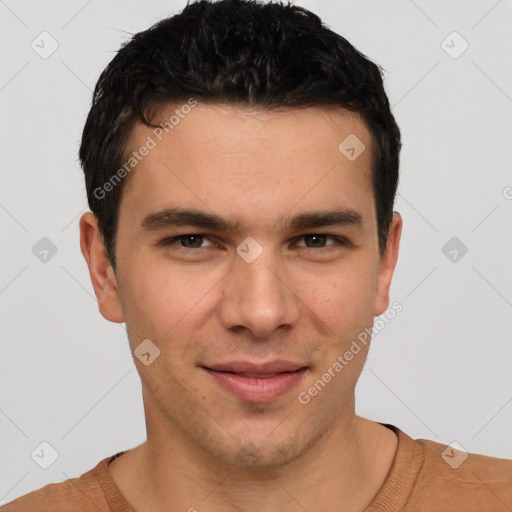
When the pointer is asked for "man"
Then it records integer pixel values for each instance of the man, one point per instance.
(241, 164)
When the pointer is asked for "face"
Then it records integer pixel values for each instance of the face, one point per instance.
(247, 253)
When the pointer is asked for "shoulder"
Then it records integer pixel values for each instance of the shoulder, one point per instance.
(456, 480)
(426, 475)
(84, 493)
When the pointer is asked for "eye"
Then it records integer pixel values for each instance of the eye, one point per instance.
(187, 241)
(318, 240)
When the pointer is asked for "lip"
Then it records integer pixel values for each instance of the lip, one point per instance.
(276, 366)
(257, 386)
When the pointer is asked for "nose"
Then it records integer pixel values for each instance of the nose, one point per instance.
(258, 296)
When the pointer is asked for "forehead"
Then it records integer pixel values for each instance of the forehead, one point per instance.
(214, 155)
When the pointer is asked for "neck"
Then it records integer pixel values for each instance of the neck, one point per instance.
(342, 471)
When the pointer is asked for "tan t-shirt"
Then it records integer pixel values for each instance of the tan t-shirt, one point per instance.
(425, 476)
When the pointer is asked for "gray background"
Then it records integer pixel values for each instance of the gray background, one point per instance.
(440, 370)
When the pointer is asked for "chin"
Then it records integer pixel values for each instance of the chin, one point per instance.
(260, 453)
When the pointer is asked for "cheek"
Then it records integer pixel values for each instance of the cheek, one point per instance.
(343, 301)
(159, 300)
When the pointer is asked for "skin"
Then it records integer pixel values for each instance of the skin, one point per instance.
(202, 304)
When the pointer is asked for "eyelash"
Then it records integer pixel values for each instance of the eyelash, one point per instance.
(171, 241)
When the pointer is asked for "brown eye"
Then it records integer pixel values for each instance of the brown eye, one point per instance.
(315, 240)
(319, 241)
(187, 241)
(191, 241)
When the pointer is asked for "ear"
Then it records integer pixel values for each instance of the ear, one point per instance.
(102, 275)
(387, 265)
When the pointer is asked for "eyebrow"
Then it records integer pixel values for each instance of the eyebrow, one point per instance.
(173, 217)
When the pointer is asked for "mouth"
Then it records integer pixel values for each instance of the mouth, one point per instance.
(256, 384)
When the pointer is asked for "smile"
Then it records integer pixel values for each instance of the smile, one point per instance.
(257, 387)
